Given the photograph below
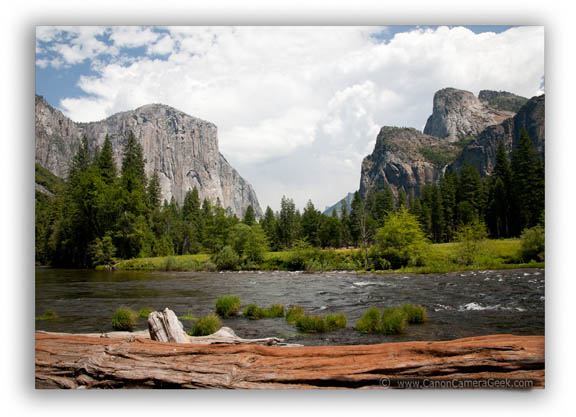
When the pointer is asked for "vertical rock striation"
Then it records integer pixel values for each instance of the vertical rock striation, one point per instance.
(458, 114)
(181, 148)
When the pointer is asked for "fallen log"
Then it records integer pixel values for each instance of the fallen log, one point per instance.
(71, 361)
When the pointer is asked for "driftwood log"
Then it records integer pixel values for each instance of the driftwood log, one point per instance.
(165, 327)
(496, 361)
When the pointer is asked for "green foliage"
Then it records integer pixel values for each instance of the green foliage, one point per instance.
(249, 216)
(390, 320)
(401, 240)
(145, 312)
(253, 312)
(470, 238)
(47, 315)
(228, 305)
(415, 314)
(293, 313)
(393, 321)
(275, 310)
(369, 322)
(124, 319)
(206, 325)
(102, 251)
(311, 324)
(532, 244)
(226, 259)
(335, 321)
(439, 155)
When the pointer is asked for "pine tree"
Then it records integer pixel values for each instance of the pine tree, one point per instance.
(287, 224)
(154, 191)
(527, 185)
(268, 224)
(133, 173)
(310, 224)
(106, 163)
(249, 216)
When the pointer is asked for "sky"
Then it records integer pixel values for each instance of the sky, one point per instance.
(297, 108)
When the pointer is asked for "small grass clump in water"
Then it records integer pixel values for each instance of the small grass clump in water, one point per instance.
(311, 324)
(370, 321)
(47, 315)
(335, 321)
(228, 305)
(145, 312)
(206, 325)
(124, 319)
(415, 314)
(319, 324)
(253, 312)
(275, 310)
(293, 313)
(393, 321)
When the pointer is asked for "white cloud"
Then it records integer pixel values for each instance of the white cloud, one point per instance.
(299, 107)
(132, 36)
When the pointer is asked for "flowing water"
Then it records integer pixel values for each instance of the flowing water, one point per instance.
(460, 304)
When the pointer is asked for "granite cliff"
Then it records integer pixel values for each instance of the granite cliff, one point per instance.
(458, 114)
(181, 148)
(481, 152)
(461, 129)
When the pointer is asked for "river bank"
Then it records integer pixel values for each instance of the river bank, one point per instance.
(439, 258)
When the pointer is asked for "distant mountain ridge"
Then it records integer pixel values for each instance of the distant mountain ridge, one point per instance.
(181, 148)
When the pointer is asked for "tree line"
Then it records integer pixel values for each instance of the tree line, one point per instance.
(102, 212)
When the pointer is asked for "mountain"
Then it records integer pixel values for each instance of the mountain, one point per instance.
(458, 114)
(405, 158)
(462, 128)
(481, 152)
(181, 148)
(348, 199)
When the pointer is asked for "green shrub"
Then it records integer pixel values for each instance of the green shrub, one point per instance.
(228, 305)
(471, 242)
(206, 325)
(369, 322)
(293, 313)
(415, 314)
(145, 312)
(275, 310)
(47, 315)
(253, 312)
(311, 324)
(532, 242)
(335, 321)
(124, 319)
(400, 241)
(226, 259)
(393, 321)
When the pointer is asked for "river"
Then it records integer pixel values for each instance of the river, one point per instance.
(460, 304)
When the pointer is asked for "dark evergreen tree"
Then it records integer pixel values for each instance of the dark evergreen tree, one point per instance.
(527, 185)
(249, 216)
(310, 224)
(287, 223)
(106, 163)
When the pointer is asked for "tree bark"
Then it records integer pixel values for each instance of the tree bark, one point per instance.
(496, 361)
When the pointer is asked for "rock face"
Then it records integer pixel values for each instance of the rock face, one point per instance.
(458, 114)
(181, 148)
(493, 362)
(482, 151)
(405, 158)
